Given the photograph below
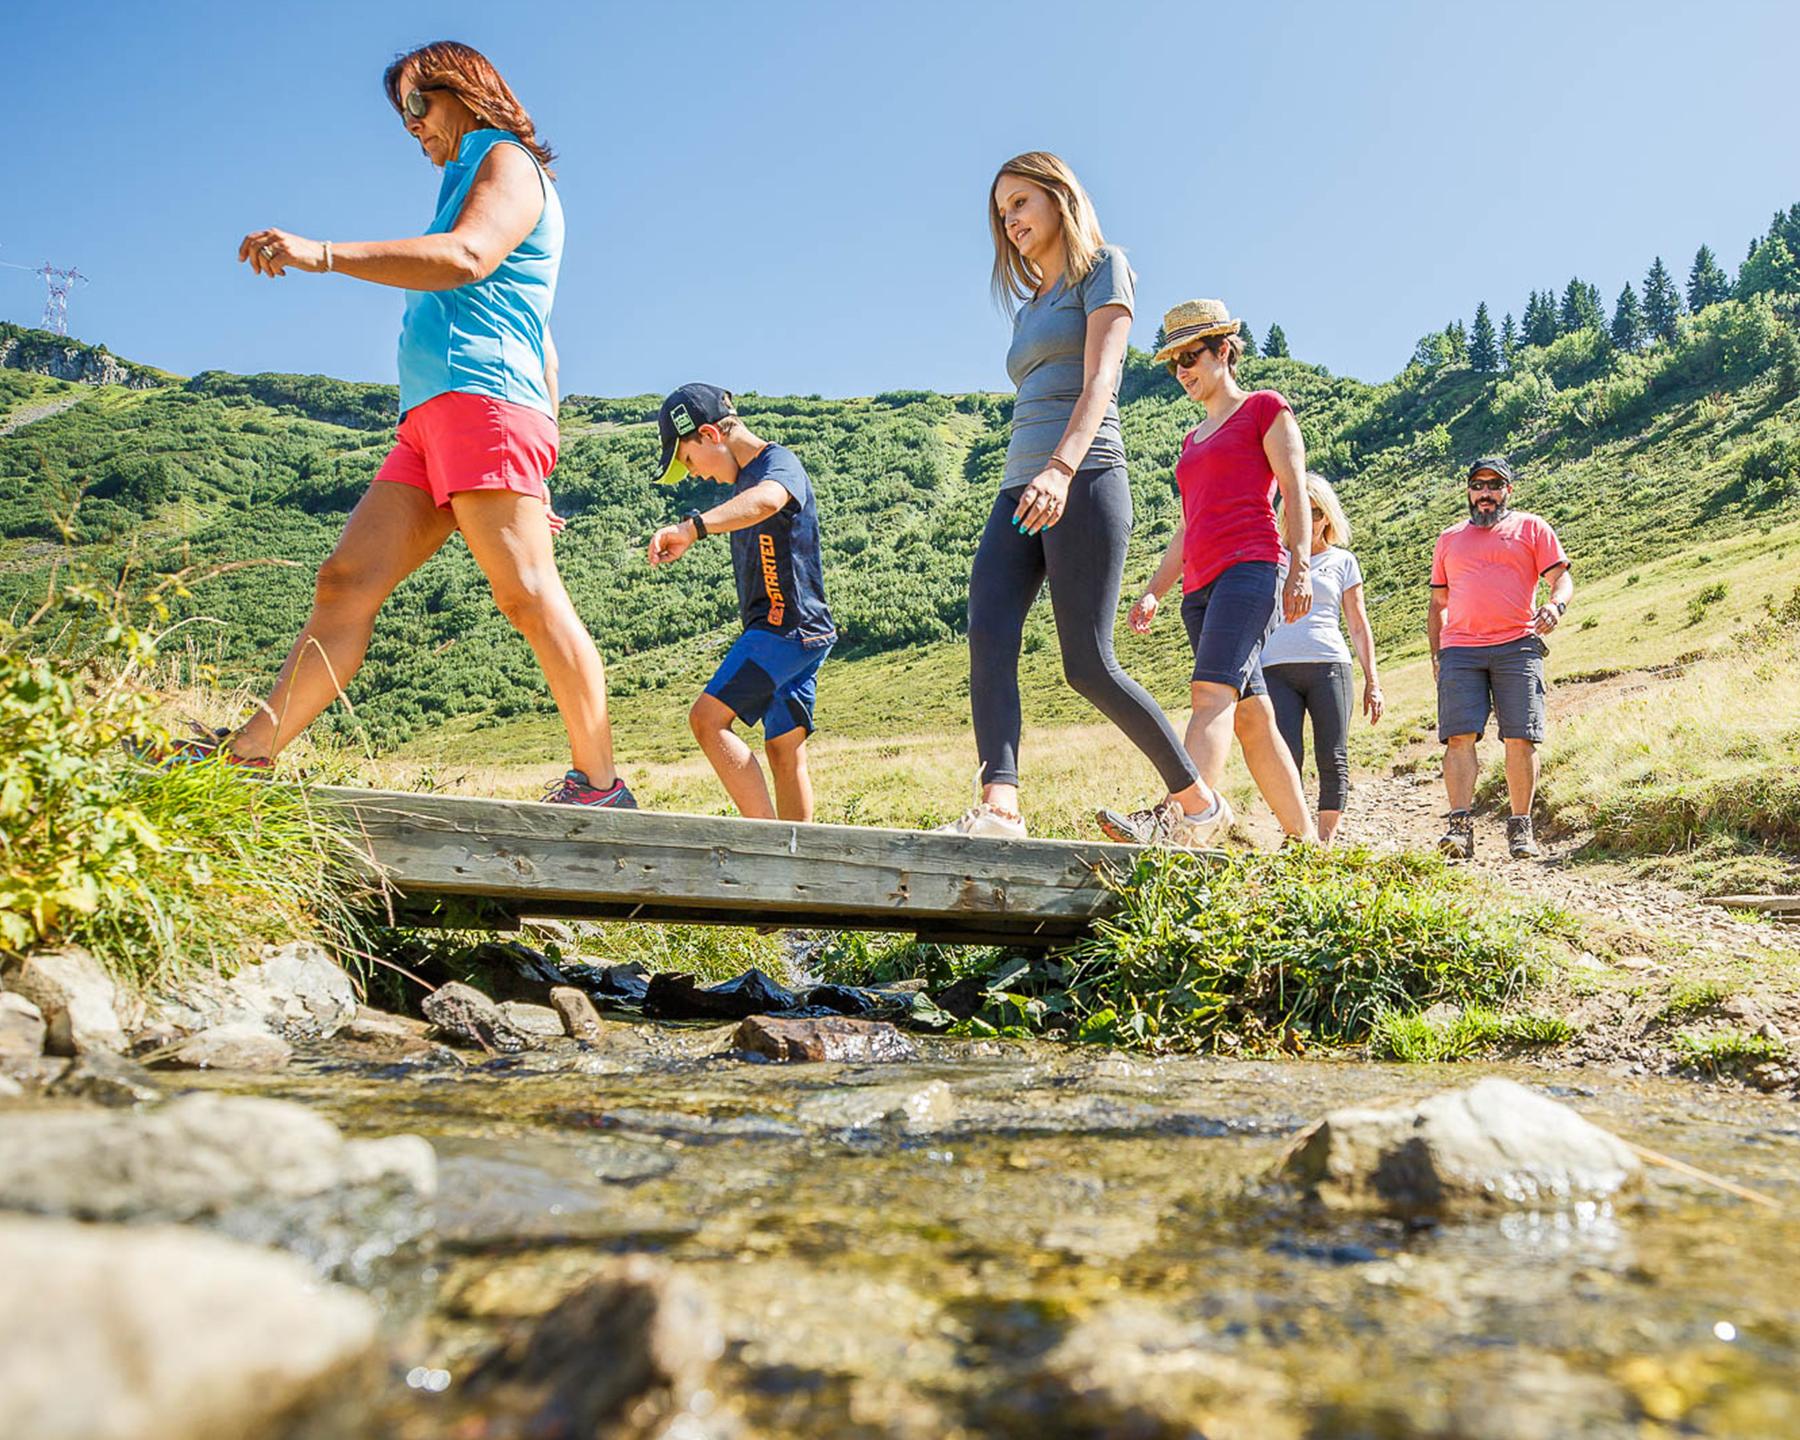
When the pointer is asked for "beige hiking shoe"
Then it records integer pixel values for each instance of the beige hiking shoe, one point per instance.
(983, 821)
(1168, 824)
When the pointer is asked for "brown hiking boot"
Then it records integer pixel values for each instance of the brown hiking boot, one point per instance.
(1458, 842)
(1519, 839)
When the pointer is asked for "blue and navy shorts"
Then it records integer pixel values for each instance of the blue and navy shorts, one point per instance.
(771, 680)
(1227, 621)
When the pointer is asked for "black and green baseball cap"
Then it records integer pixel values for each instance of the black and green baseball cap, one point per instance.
(684, 412)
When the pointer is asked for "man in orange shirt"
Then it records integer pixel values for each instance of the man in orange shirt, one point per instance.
(1487, 648)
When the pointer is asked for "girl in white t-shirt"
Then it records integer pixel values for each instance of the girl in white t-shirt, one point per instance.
(1306, 664)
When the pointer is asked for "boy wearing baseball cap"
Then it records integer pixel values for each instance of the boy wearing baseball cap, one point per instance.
(770, 674)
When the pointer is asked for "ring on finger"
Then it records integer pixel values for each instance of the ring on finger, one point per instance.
(266, 251)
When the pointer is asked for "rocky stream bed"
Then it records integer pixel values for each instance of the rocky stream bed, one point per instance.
(329, 1224)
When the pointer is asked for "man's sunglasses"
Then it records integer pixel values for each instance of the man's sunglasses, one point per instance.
(1186, 360)
(415, 104)
(1487, 484)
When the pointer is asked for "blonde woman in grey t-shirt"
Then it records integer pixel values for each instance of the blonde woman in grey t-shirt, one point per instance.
(1063, 514)
(1306, 665)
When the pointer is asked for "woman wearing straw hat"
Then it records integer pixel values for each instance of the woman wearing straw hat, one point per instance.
(1307, 665)
(1063, 513)
(1227, 548)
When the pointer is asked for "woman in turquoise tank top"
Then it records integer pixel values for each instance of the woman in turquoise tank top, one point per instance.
(477, 438)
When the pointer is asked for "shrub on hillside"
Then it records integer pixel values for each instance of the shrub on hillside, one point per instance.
(1520, 398)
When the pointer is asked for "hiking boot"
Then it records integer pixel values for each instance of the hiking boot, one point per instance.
(1168, 824)
(983, 821)
(576, 789)
(1521, 844)
(1458, 842)
(206, 745)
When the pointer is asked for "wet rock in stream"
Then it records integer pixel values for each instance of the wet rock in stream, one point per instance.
(538, 1022)
(246, 1048)
(1493, 1144)
(579, 1019)
(827, 1037)
(267, 1171)
(104, 1079)
(165, 1334)
(463, 1012)
(295, 990)
(623, 1357)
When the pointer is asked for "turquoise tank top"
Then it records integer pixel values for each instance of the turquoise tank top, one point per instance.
(486, 337)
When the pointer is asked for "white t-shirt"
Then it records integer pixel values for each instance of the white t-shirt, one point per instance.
(1318, 636)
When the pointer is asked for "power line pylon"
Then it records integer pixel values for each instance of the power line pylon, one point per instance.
(56, 304)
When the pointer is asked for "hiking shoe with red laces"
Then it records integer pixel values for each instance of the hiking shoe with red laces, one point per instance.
(576, 789)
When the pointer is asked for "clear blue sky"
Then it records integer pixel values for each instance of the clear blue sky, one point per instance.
(789, 197)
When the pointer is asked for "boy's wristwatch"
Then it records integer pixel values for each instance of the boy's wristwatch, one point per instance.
(699, 523)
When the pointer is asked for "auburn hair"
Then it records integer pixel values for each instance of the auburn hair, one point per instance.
(1016, 278)
(472, 78)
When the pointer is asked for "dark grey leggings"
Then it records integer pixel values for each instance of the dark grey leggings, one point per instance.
(1083, 557)
(1321, 689)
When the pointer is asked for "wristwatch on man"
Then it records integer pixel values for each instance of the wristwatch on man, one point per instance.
(699, 523)
(1562, 608)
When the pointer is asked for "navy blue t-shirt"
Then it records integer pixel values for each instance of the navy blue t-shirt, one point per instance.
(780, 581)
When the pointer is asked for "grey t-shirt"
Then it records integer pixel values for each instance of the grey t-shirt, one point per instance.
(1316, 636)
(1045, 362)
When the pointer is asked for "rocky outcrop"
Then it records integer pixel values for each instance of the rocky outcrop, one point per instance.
(74, 995)
(1495, 1144)
(164, 1334)
(267, 1171)
(61, 358)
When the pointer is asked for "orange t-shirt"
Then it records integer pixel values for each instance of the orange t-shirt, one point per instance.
(1492, 574)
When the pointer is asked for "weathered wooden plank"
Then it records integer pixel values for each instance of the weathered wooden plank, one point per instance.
(1768, 904)
(541, 859)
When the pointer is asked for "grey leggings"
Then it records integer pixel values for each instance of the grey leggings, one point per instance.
(1321, 689)
(1083, 557)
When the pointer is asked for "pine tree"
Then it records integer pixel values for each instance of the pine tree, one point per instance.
(1275, 346)
(1580, 309)
(1540, 325)
(1662, 302)
(1770, 269)
(1456, 342)
(1509, 341)
(1248, 336)
(1484, 353)
(1157, 344)
(1707, 283)
(1628, 320)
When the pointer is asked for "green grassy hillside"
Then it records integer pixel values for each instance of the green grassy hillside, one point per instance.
(1634, 453)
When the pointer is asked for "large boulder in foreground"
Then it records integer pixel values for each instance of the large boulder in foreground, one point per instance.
(164, 1334)
(295, 990)
(1494, 1144)
(267, 1171)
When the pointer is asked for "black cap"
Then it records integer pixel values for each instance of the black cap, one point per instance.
(1496, 463)
(684, 412)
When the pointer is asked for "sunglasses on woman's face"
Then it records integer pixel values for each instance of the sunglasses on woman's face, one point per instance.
(415, 104)
(1186, 360)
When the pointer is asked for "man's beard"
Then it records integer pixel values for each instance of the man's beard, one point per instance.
(1487, 519)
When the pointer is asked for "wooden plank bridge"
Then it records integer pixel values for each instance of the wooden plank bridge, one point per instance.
(521, 859)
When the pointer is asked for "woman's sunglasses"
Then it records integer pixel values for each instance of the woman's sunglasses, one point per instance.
(415, 104)
(1186, 360)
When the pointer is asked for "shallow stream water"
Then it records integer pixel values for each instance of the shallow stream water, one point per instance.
(902, 1250)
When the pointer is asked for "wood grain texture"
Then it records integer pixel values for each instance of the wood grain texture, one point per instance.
(538, 859)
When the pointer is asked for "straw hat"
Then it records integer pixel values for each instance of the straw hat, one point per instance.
(1192, 321)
